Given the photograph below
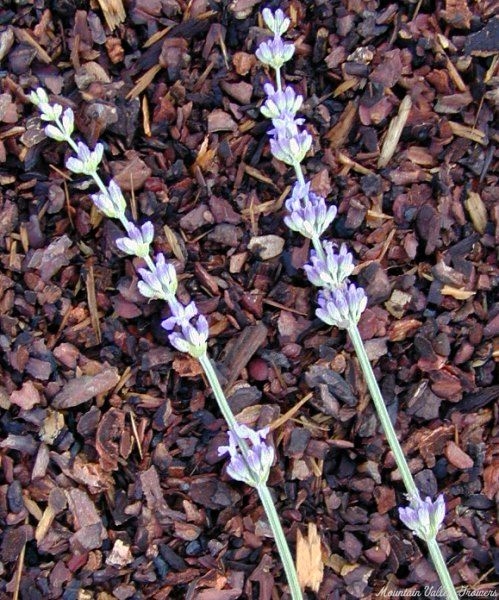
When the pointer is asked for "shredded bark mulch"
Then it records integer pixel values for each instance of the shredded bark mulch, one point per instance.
(110, 482)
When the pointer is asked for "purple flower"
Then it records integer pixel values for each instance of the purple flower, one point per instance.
(191, 338)
(159, 282)
(181, 315)
(49, 112)
(308, 213)
(86, 161)
(424, 517)
(112, 203)
(277, 22)
(274, 52)
(138, 241)
(342, 306)
(54, 132)
(332, 272)
(252, 463)
(285, 127)
(280, 102)
(291, 150)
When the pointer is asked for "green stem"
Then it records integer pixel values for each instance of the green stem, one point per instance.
(383, 415)
(299, 173)
(278, 80)
(280, 540)
(262, 489)
(225, 409)
(391, 436)
(442, 570)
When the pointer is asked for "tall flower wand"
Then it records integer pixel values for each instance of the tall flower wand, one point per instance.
(250, 455)
(340, 302)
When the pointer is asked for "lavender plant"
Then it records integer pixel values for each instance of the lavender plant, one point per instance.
(250, 455)
(341, 302)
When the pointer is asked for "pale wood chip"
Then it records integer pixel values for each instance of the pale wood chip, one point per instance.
(24, 36)
(477, 211)
(309, 565)
(114, 12)
(470, 133)
(394, 132)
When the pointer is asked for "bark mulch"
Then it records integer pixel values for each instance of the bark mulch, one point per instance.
(110, 483)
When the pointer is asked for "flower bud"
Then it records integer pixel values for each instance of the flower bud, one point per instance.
(86, 161)
(424, 517)
(274, 52)
(277, 22)
(138, 241)
(342, 306)
(251, 465)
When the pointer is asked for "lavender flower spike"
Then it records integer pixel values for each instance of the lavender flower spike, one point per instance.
(424, 517)
(332, 273)
(181, 315)
(192, 338)
(49, 112)
(160, 282)
(308, 213)
(278, 23)
(274, 52)
(280, 102)
(341, 307)
(138, 241)
(112, 203)
(291, 149)
(86, 160)
(253, 466)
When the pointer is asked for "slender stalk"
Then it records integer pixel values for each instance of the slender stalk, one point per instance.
(225, 409)
(442, 570)
(299, 173)
(254, 474)
(278, 79)
(262, 489)
(391, 436)
(280, 540)
(383, 415)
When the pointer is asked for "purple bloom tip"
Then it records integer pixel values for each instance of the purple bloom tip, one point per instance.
(424, 517)
(249, 462)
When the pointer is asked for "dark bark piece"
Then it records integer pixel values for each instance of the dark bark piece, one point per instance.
(50, 260)
(23, 443)
(13, 542)
(336, 384)
(242, 350)
(90, 531)
(484, 42)
(80, 390)
(109, 432)
(210, 492)
(476, 400)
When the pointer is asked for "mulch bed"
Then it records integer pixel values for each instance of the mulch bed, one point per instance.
(110, 482)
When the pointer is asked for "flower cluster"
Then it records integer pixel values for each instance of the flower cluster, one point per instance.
(188, 329)
(308, 213)
(275, 52)
(111, 201)
(251, 463)
(340, 302)
(424, 517)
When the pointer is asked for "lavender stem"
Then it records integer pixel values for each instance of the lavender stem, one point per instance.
(280, 540)
(442, 570)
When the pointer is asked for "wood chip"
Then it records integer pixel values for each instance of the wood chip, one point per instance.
(82, 389)
(394, 132)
